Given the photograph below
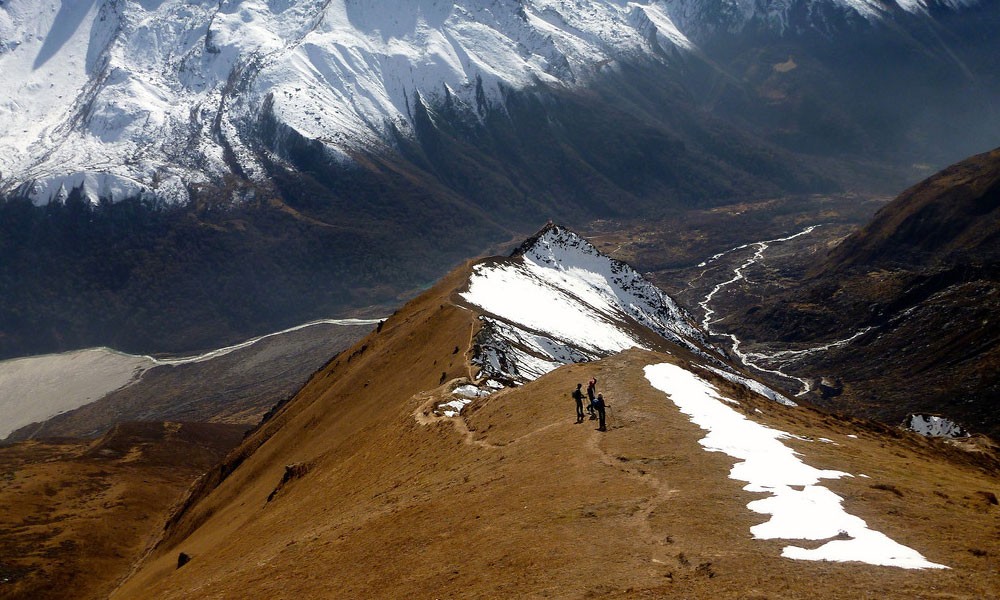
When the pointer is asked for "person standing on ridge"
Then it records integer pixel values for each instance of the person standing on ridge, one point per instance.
(599, 404)
(578, 396)
(591, 391)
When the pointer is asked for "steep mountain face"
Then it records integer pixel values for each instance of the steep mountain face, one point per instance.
(140, 96)
(921, 283)
(405, 469)
(558, 300)
(342, 141)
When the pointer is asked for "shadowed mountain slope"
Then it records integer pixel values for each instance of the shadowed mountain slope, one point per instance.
(361, 486)
(952, 218)
(924, 276)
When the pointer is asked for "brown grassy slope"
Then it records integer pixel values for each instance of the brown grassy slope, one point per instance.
(952, 216)
(75, 515)
(517, 500)
(345, 407)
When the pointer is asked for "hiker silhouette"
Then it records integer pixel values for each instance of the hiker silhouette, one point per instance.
(578, 396)
(591, 391)
(600, 406)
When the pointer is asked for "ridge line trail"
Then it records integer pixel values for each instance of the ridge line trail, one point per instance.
(469, 348)
(472, 340)
(661, 489)
(594, 443)
(424, 413)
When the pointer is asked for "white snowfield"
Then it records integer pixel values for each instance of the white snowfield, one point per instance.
(127, 97)
(798, 506)
(561, 301)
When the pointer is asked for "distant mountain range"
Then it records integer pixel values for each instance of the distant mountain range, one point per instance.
(123, 98)
(277, 162)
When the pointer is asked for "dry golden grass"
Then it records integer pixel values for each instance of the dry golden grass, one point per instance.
(74, 516)
(516, 499)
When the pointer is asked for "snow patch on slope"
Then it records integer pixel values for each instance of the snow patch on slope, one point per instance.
(799, 508)
(461, 397)
(751, 384)
(934, 426)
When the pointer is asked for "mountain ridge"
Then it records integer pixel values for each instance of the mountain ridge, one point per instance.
(165, 107)
(501, 496)
(946, 218)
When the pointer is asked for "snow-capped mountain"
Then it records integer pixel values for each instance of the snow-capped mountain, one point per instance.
(124, 98)
(558, 300)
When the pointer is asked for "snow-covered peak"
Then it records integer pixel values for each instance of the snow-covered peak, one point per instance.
(572, 259)
(123, 97)
(558, 300)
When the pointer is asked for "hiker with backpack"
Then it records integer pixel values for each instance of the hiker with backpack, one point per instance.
(600, 406)
(578, 396)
